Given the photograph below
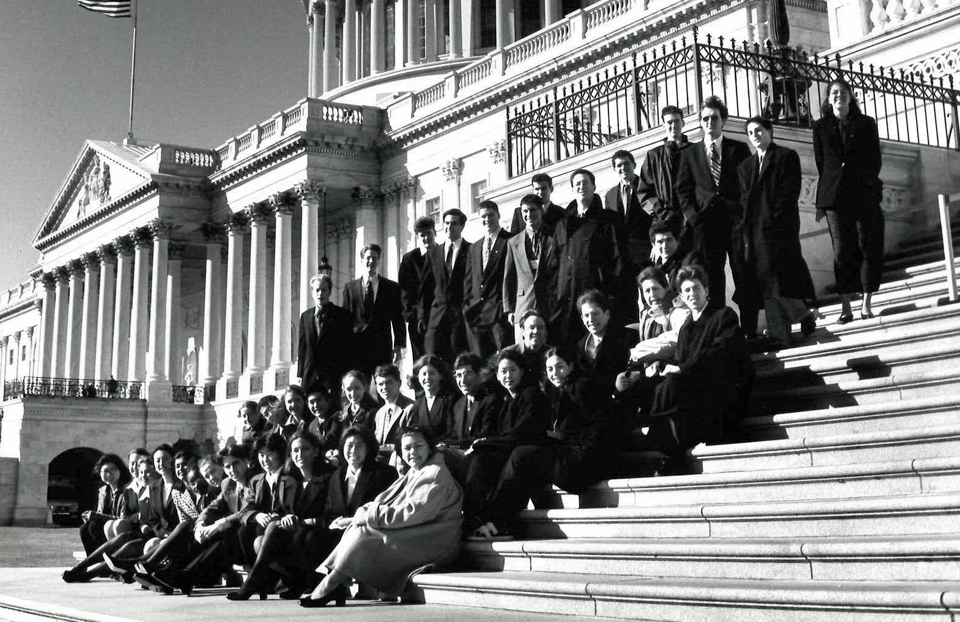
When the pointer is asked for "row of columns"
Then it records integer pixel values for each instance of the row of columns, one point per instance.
(20, 345)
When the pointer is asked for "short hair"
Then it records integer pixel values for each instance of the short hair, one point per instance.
(456, 214)
(529, 313)
(212, 460)
(355, 373)
(531, 200)
(307, 436)
(250, 404)
(373, 248)
(409, 430)
(296, 389)
(240, 451)
(117, 461)
(424, 223)
(761, 121)
(585, 172)
(165, 448)
(365, 435)
(540, 178)
(468, 359)
(509, 354)
(692, 272)
(488, 204)
(435, 362)
(594, 297)
(271, 442)
(186, 455)
(268, 400)
(567, 354)
(652, 273)
(321, 279)
(664, 225)
(387, 371)
(717, 104)
(670, 109)
(622, 153)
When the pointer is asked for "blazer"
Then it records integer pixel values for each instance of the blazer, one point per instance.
(610, 360)
(226, 505)
(849, 165)
(312, 498)
(373, 479)
(159, 515)
(702, 201)
(257, 497)
(636, 222)
(525, 288)
(590, 253)
(321, 357)
(510, 421)
(441, 294)
(658, 178)
(122, 504)
(551, 216)
(384, 430)
(372, 339)
(437, 419)
(464, 423)
(483, 287)
(409, 275)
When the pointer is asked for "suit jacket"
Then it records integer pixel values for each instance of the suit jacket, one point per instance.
(525, 288)
(388, 429)
(702, 201)
(464, 424)
(372, 341)
(437, 418)
(849, 165)
(312, 498)
(373, 479)
(611, 358)
(483, 287)
(257, 497)
(551, 216)
(226, 505)
(509, 421)
(636, 222)
(409, 275)
(321, 357)
(154, 512)
(121, 505)
(441, 294)
(658, 178)
(771, 225)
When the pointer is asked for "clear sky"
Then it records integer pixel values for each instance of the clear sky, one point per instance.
(206, 70)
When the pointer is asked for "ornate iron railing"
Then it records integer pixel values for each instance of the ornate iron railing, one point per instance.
(71, 387)
(786, 86)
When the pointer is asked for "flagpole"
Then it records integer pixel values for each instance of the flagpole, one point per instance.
(133, 68)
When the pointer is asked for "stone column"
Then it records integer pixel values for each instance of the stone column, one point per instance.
(281, 346)
(212, 308)
(431, 33)
(368, 226)
(251, 381)
(88, 316)
(310, 194)
(317, 46)
(331, 70)
(311, 53)
(232, 328)
(173, 365)
(119, 367)
(71, 360)
(28, 369)
(467, 27)
(3, 369)
(139, 317)
(413, 30)
(378, 37)
(348, 53)
(58, 349)
(105, 311)
(158, 386)
(454, 50)
(551, 12)
(332, 233)
(452, 170)
(346, 266)
(504, 17)
(48, 320)
(13, 372)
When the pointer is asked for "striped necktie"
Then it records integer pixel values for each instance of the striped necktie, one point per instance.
(715, 164)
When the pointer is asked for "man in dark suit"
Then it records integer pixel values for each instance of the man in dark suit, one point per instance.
(709, 194)
(624, 199)
(588, 241)
(658, 175)
(409, 276)
(440, 306)
(374, 304)
(774, 265)
(603, 352)
(530, 270)
(324, 339)
(487, 327)
(542, 186)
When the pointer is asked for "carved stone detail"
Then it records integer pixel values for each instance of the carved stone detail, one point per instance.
(142, 237)
(175, 250)
(310, 191)
(237, 223)
(106, 254)
(96, 187)
(212, 232)
(63, 275)
(257, 213)
(75, 268)
(91, 262)
(30, 332)
(452, 169)
(123, 245)
(48, 280)
(282, 204)
(366, 196)
(161, 229)
(497, 151)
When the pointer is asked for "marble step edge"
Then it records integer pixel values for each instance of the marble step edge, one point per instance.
(619, 592)
(928, 244)
(893, 382)
(929, 255)
(917, 278)
(858, 412)
(17, 609)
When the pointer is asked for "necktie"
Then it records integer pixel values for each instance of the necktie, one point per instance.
(591, 348)
(536, 245)
(351, 483)
(368, 298)
(386, 425)
(759, 163)
(449, 260)
(715, 164)
(318, 320)
(108, 500)
(625, 191)
(485, 257)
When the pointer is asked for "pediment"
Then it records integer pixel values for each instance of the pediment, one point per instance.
(102, 173)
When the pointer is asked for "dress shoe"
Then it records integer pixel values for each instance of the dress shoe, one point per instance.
(241, 595)
(808, 324)
(339, 595)
(232, 579)
(845, 317)
(150, 582)
(118, 565)
(866, 315)
(75, 576)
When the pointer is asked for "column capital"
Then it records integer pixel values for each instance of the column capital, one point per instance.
(107, 254)
(175, 250)
(282, 204)
(366, 196)
(497, 150)
(91, 262)
(124, 245)
(452, 169)
(47, 280)
(310, 190)
(38, 304)
(142, 237)
(16, 337)
(237, 223)
(212, 232)
(75, 268)
(257, 213)
(4, 341)
(29, 332)
(161, 229)
(63, 275)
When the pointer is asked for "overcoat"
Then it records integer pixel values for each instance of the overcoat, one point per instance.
(413, 523)
(524, 287)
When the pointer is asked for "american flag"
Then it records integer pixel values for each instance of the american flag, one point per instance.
(110, 8)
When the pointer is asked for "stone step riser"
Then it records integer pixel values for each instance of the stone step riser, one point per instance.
(915, 292)
(853, 424)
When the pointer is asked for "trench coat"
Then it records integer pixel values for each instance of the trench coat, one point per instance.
(413, 523)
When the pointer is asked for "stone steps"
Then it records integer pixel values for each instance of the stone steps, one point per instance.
(899, 558)
(695, 600)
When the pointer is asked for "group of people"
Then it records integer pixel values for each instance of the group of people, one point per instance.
(586, 332)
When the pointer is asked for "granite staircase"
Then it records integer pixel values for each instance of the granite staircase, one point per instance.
(842, 503)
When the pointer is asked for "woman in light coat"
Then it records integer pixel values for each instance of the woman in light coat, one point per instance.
(414, 523)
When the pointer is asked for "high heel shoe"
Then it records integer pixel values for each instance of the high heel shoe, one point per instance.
(238, 595)
(339, 595)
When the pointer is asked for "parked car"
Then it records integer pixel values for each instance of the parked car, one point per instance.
(63, 499)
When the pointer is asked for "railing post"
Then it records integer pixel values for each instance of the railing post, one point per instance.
(948, 247)
(509, 147)
(697, 71)
(556, 125)
(953, 111)
(636, 95)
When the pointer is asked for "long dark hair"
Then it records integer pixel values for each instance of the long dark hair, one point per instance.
(365, 435)
(318, 462)
(117, 461)
(826, 109)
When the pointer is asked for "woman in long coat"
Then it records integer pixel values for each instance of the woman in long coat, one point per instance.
(414, 523)
(776, 273)
(846, 146)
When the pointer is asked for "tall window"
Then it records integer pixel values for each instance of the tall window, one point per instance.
(390, 56)
(422, 25)
(433, 210)
(488, 24)
(476, 189)
(569, 6)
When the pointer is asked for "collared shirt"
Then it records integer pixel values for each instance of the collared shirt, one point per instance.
(718, 142)
(351, 479)
(376, 284)
(591, 345)
(456, 250)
